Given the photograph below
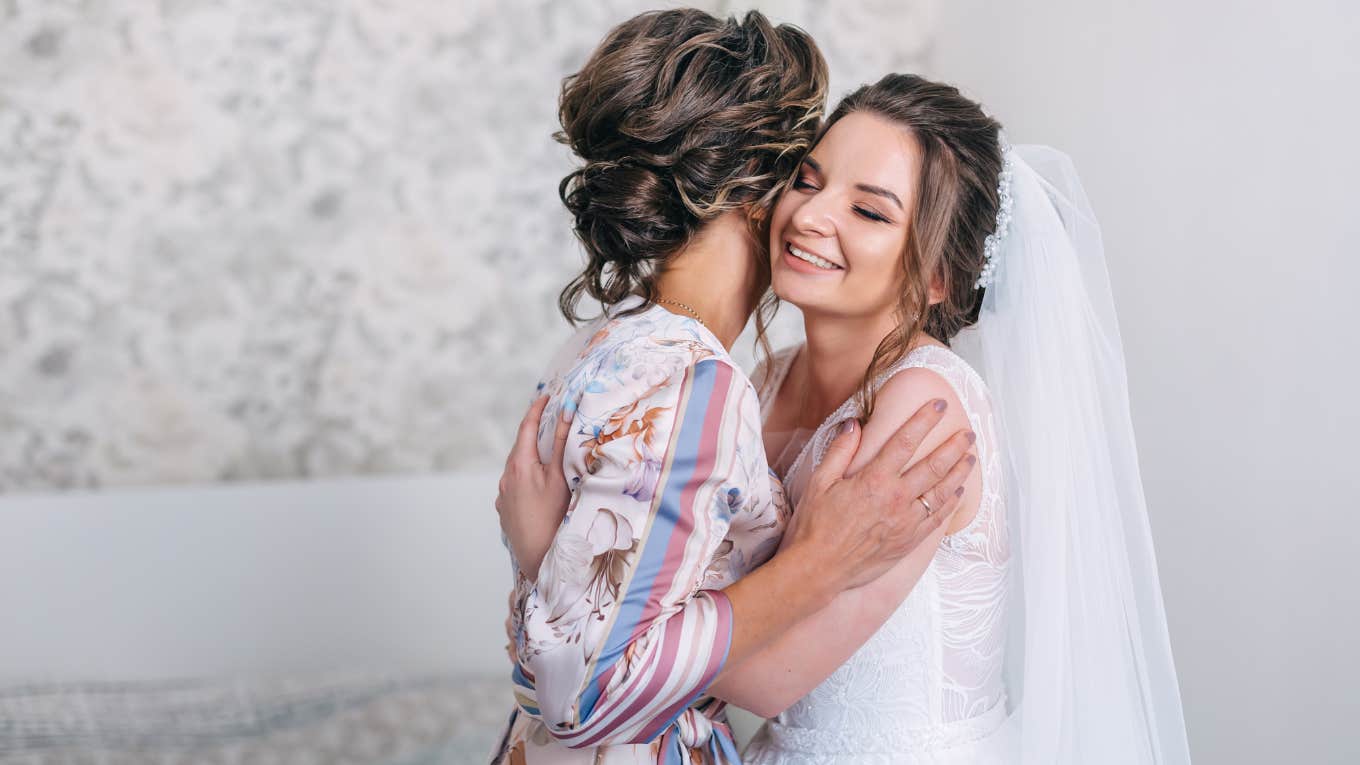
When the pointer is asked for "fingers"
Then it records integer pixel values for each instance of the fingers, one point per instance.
(897, 453)
(941, 476)
(946, 500)
(526, 441)
(942, 460)
(838, 455)
(560, 440)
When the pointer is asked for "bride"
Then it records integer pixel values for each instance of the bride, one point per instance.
(932, 260)
(1033, 631)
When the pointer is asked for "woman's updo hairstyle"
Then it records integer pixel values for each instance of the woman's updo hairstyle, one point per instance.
(679, 117)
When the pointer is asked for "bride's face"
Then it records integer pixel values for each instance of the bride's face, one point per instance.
(848, 212)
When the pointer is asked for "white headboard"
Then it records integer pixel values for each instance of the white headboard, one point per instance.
(389, 573)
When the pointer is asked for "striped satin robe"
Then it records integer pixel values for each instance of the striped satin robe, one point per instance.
(672, 500)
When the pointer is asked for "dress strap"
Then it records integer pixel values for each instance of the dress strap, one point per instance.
(967, 385)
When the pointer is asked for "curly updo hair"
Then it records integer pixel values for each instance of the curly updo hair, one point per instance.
(679, 117)
(954, 212)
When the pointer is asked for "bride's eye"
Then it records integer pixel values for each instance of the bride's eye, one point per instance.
(870, 214)
(802, 184)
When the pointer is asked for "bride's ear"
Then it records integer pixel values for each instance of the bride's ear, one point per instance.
(936, 292)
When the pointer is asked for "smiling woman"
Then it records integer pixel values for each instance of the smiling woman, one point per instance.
(1031, 629)
(854, 222)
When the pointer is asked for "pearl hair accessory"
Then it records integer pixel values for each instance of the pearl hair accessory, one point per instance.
(992, 245)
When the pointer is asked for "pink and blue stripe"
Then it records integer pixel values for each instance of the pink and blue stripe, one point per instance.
(689, 466)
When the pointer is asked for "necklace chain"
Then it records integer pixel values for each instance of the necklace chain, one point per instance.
(689, 310)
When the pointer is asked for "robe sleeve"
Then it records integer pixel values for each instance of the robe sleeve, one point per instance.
(617, 638)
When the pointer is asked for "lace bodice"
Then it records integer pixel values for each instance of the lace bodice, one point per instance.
(927, 686)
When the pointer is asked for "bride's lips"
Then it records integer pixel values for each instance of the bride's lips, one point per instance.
(804, 267)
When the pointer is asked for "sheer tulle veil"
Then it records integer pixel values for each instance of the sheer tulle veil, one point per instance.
(1088, 662)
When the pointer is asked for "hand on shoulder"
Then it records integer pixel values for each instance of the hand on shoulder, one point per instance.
(899, 398)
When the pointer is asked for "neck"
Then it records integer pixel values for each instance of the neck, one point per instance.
(838, 352)
(715, 274)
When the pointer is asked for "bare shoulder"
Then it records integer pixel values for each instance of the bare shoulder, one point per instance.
(902, 395)
(899, 398)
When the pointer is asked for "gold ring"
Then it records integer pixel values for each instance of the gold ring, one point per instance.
(929, 509)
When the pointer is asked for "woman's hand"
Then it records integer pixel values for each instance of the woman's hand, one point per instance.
(533, 496)
(860, 526)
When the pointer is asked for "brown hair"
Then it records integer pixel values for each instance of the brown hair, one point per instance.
(679, 117)
(955, 209)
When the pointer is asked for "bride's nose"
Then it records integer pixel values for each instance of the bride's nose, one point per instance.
(814, 217)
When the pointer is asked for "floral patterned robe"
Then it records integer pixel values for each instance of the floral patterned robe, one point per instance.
(672, 500)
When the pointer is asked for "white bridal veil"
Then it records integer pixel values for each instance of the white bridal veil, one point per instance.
(1088, 662)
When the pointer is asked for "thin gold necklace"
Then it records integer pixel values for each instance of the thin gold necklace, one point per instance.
(691, 311)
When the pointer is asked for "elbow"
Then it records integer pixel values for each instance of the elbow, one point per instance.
(572, 733)
(571, 738)
(588, 743)
(570, 718)
(761, 704)
(768, 708)
(762, 692)
(586, 737)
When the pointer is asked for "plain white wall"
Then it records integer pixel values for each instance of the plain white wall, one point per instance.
(1218, 144)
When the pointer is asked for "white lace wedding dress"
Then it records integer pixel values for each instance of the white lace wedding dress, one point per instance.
(927, 687)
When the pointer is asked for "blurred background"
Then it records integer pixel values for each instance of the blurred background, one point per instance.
(277, 279)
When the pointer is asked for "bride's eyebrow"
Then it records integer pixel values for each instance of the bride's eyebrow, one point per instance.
(865, 187)
(880, 191)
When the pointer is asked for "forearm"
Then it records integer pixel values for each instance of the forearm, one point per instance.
(804, 654)
(796, 661)
(765, 605)
(769, 602)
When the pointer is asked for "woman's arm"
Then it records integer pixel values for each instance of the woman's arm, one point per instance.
(614, 639)
(664, 642)
(799, 659)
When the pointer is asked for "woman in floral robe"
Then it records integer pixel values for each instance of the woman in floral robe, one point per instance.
(673, 502)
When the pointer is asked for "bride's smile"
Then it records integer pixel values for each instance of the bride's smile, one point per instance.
(838, 231)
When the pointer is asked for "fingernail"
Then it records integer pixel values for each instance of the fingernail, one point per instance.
(847, 427)
(972, 460)
(958, 492)
(940, 405)
(972, 437)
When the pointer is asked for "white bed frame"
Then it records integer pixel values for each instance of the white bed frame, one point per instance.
(403, 573)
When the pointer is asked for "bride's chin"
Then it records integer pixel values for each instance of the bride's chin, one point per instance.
(797, 299)
(782, 292)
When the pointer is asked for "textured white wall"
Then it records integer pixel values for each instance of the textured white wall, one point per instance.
(246, 239)
(1217, 143)
(253, 239)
